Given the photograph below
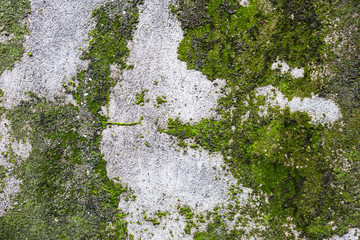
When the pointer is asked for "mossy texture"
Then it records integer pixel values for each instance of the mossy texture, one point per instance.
(12, 25)
(303, 174)
(65, 192)
(140, 97)
(2, 178)
(226, 40)
(160, 100)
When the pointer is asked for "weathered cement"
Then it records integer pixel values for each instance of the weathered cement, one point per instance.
(285, 68)
(353, 234)
(320, 109)
(56, 34)
(162, 176)
(21, 150)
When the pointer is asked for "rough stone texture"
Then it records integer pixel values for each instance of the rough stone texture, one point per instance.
(56, 34)
(12, 186)
(320, 109)
(4, 39)
(160, 174)
(21, 150)
(353, 234)
(244, 3)
(285, 68)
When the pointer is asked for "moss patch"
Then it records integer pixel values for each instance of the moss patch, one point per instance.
(140, 97)
(239, 43)
(66, 193)
(161, 100)
(13, 25)
(2, 178)
(302, 174)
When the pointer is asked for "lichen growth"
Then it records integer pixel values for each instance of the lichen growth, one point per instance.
(65, 192)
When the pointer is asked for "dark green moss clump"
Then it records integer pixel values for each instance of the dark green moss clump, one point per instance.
(302, 173)
(229, 41)
(107, 47)
(12, 25)
(290, 160)
(2, 178)
(65, 192)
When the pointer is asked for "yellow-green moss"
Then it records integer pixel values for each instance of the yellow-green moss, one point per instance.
(140, 97)
(13, 26)
(302, 173)
(65, 192)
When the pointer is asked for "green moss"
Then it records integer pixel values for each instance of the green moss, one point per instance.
(2, 172)
(2, 178)
(161, 214)
(160, 100)
(121, 124)
(182, 144)
(240, 43)
(189, 218)
(108, 46)
(289, 159)
(65, 192)
(204, 133)
(12, 17)
(186, 212)
(154, 220)
(216, 230)
(302, 173)
(140, 97)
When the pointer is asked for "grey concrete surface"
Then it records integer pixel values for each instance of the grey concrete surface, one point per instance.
(321, 110)
(21, 151)
(56, 34)
(161, 175)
